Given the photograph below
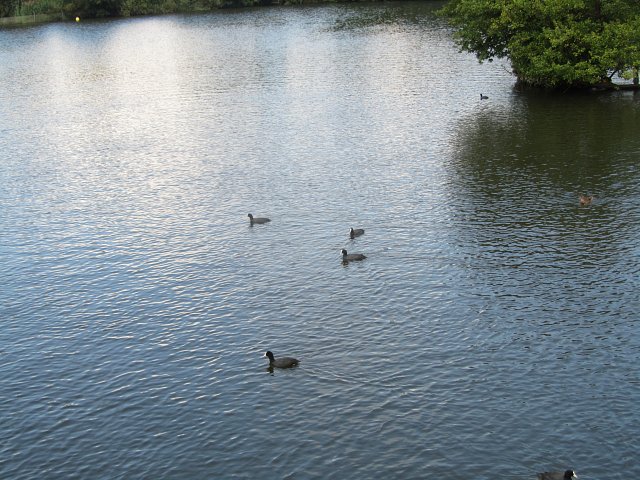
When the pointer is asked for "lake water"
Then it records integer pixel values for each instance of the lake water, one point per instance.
(491, 333)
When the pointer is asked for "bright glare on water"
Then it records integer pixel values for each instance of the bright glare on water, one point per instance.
(491, 333)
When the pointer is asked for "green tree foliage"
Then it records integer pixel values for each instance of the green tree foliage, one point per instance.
(11, 8)
(552, 43)
(92, 8)
(8, 7)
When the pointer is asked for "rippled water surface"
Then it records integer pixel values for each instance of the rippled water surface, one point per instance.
(492, 332)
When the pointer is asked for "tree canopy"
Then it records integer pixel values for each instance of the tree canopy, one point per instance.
(552, 43)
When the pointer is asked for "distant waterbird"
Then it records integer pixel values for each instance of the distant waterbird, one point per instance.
(258, 220)
(585, 199)
(566, 475)
(356, 232)
(352, 257)
(282, 362)
(483, 97)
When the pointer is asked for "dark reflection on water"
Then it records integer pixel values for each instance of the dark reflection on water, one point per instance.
(490, 333)
(519, 174)
(402, 14)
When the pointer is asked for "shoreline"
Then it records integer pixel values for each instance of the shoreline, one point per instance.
(34, 19)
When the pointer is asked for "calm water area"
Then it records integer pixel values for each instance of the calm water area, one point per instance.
(491, 333)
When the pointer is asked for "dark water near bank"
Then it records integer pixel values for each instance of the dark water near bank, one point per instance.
(491, 333)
